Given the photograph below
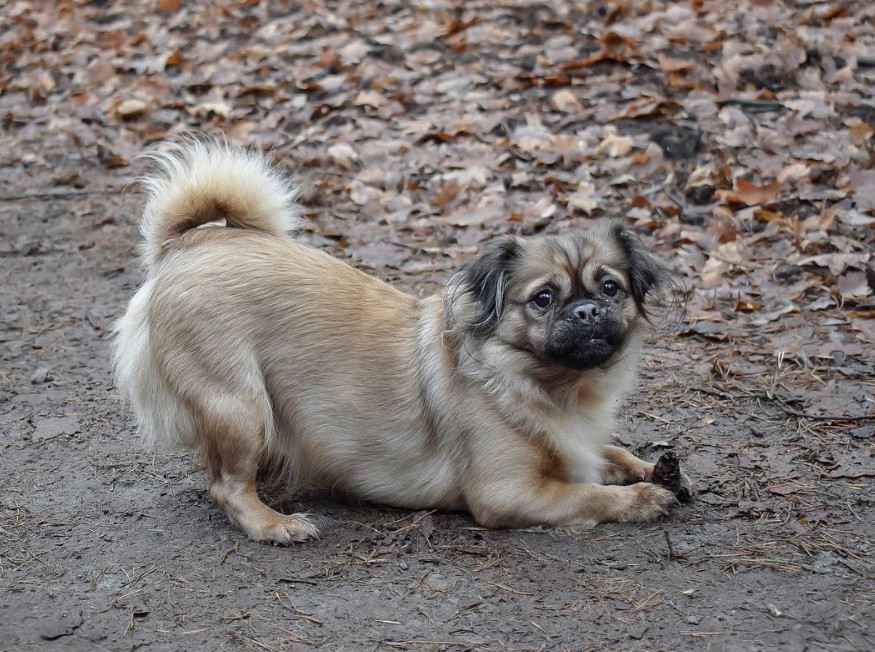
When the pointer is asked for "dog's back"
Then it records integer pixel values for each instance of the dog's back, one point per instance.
(193, 182)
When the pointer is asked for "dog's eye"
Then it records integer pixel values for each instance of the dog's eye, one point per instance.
(610, 288)
(543, 299)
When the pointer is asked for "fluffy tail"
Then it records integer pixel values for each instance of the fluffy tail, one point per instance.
(202, 179)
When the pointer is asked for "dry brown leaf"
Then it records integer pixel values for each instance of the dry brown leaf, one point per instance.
(445, 195)
(863, 183)
(614, 144)
(747, 304)
(750, 194)
(343, 155)
(585, 199)
(130, 108)
(369, 98)
(838, 262)
(614, 47)
(785, 489)
(855, 218)
(565, 101)
(205, 109)
(853, 285)
(794, 171)
(713, 273)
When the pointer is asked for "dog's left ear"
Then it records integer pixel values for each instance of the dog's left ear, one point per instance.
(649, 277)
(486, 278)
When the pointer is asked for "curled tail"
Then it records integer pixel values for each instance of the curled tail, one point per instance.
(202, 179)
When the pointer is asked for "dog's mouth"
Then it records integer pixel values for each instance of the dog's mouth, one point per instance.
(582, 347)
(591, 353)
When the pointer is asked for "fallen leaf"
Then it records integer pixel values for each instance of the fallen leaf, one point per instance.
(613, 47)
(614, 144)
(853, 464)
(763, 318)
(837, 263)
(204, 109)
(784, 489)
(863, 182)
(585, 199)
(853, 285)
(565, 101)
(128, 109)
(750, 194)
(445, 195)
(795, 172)
(863, 432)
(343, 155)
(855, 218)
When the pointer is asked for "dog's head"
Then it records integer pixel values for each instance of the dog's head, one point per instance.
(570, 301)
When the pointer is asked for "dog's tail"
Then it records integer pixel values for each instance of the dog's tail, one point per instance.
(201, 179)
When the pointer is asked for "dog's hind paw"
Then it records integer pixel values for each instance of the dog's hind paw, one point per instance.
(285, 530)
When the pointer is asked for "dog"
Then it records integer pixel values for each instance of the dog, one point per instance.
(496, 397)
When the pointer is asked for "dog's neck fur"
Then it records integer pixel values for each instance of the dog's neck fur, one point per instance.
(570, 412)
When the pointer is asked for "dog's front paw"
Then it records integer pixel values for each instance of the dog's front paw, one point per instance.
(644, 501)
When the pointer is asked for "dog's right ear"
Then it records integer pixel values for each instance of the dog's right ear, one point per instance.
(485, 278)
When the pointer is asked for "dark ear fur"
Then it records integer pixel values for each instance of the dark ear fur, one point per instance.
(486, 278)
(650, 277)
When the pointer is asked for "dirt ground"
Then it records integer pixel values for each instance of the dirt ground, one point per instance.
(106, 546)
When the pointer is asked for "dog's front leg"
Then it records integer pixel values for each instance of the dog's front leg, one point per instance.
(552, 502)
(624, 468)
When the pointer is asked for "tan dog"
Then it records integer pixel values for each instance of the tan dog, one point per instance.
(496, 398)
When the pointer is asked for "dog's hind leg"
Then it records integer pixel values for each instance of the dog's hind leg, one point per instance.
(232, 437)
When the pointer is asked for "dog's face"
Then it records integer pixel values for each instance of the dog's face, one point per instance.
(571, 302)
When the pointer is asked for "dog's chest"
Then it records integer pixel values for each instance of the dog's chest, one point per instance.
(579, 440)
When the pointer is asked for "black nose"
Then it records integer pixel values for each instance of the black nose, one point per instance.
(587, 311)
